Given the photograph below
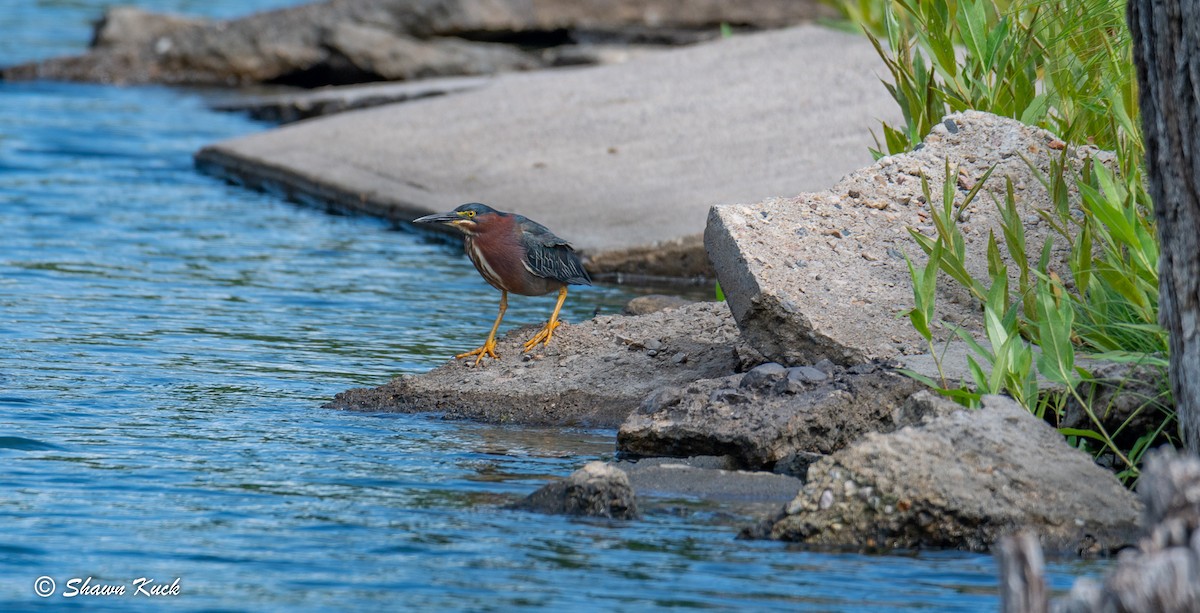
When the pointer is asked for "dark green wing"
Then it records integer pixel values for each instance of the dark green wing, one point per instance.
(551, 257)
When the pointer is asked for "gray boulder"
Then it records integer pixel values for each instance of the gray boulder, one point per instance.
(769, 416)
(397, 57)
(596, 490)
(308, 44)
(130, 25)
(962, 480)
(594, 373)
(823, 275)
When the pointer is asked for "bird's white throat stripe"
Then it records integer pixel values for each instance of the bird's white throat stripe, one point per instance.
(482, 264)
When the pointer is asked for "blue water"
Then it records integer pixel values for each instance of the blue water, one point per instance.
(166, 341)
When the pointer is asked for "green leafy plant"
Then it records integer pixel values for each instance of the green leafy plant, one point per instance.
(1034, 334)
(1063, 65)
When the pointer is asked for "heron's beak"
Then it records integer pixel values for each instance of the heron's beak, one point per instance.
(439, 218)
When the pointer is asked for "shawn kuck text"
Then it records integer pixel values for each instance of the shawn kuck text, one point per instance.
(142, 586)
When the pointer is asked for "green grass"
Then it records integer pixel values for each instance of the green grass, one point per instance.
(1065, 66)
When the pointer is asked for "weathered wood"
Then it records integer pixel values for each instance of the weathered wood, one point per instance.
(1160, 575)
(1022, 578)
(1166, 51)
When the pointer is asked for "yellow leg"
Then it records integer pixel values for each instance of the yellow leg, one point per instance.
(489, 346)
(543, 335)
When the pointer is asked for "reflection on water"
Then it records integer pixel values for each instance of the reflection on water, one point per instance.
(166, 341)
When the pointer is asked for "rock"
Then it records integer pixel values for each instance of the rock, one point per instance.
(593, 374)
(962, 480)
(129, 25)
(812, 277)
(1132, 400)
(753, 418)
(797, 464)
(651, 303)
(596, 490)
(800, 376)
(396, 57)
(763, 377)
(309, 44)
(627, 174)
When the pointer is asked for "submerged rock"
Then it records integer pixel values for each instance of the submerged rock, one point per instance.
(709, 478)
(770, 416)
(596, 490)
(962, 480)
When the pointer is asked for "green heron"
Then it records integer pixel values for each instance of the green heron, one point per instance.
(514, 254)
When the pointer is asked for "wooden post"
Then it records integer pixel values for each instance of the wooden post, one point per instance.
(1022, 576)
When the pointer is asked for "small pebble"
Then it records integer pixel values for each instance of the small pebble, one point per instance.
(826, 500)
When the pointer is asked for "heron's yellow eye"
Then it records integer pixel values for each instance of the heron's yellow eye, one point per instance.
(469, 214)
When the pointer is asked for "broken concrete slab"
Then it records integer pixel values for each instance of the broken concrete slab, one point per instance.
(290, 106)
(768, 415)
(823, 275)
(307, 45)
(623, 159)
(592, 374)
(962, 480)
(715, 479)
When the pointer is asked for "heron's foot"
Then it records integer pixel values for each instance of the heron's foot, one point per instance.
(488, 349)
(543, 335)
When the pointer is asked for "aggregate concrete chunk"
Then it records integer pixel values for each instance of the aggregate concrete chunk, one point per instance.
(650, 303)
(596, 490)
(762, 417)
(962, 481)
(594, 373)
(823, 275)
(624, 159)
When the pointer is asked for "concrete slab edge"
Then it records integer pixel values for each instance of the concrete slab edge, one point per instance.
(683, 259)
